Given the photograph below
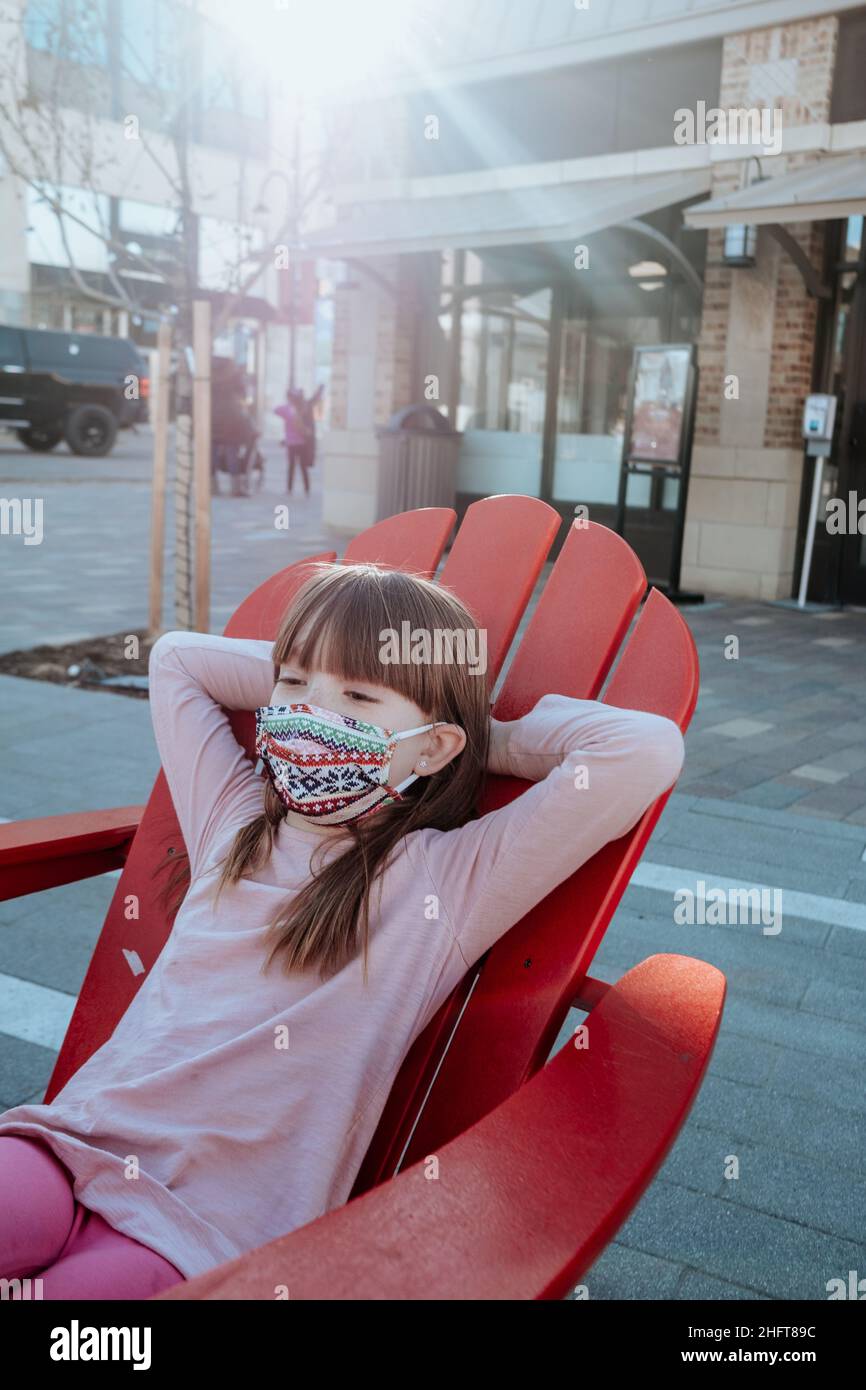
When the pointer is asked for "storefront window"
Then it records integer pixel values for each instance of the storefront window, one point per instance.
(595, 360)
(504, 348)
(499, 310)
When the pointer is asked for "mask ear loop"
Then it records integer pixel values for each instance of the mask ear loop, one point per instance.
(413, 776)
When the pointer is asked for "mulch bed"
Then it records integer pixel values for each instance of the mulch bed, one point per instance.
(91, 660)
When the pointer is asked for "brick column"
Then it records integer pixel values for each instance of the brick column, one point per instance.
(758, 325)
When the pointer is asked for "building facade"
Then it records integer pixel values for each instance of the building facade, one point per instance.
(562, 194)
(165, 146)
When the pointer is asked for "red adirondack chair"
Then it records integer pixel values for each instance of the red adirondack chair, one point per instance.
(540, 1162)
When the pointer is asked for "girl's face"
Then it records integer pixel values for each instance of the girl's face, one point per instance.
(377, 704)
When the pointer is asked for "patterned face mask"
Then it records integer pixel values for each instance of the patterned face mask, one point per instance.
(325, 766)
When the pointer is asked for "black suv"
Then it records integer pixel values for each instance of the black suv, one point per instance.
(73, 386)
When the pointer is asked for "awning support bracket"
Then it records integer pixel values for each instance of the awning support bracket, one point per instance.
(811, 279)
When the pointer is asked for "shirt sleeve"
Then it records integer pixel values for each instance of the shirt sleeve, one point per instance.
(595, 769)
(193, 678)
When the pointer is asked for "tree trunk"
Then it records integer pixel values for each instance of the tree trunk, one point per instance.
(183, 473)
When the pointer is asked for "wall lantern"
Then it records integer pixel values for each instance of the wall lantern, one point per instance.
(741, 240)
(740, 244)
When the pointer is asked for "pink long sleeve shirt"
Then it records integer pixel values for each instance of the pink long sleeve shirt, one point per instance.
(248, 1100)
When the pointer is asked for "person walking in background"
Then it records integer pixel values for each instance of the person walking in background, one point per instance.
(297, 414)
(294, 438)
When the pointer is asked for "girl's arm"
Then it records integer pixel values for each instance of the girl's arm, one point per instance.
(212, 782)
(596, 769)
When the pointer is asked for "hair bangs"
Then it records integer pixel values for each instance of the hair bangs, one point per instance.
(342, 620)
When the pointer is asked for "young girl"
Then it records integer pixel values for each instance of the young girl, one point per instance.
(334, 903)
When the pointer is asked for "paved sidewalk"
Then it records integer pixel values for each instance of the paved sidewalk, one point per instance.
(89, 576)
(773, 794)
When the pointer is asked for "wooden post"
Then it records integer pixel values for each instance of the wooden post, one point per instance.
(201, 346)
(160, 456)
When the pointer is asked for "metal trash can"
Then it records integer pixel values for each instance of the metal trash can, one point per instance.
(417, 461)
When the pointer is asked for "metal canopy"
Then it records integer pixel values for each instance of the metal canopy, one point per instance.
(830, 188)
(515, 216)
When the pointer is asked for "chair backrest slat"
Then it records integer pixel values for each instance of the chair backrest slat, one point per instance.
(412, 541)
(577, 629)
(494, 564)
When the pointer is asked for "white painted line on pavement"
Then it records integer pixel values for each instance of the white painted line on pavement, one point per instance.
(836, 912)
(33, 1013)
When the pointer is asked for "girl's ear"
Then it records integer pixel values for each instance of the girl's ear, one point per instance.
(445, 742)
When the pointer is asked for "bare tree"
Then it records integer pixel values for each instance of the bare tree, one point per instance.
(56, 135)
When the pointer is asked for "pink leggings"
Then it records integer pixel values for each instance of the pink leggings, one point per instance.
(45, 1232)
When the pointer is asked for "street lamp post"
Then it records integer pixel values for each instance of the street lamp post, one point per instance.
(293, 198)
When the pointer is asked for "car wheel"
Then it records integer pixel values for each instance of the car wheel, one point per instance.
(39, 438)
(90, 430)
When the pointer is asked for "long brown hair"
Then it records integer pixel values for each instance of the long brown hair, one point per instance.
(336, 621)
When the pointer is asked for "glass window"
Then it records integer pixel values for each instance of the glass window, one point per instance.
(84, 347)
(845, 286)
(227, 254)
(231, 80)
(853, 238)
(54, 349)
(11, 349)
(43, 24)
(72, 29)
(504, 362)
(151, 43)
(595, 361)
(149, 219)
(503, 391)
(81, 242)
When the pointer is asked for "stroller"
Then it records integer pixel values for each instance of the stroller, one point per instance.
(248, 469)
(234, 437)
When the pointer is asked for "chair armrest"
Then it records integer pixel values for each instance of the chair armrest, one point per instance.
(38, 854)
(526, 1199)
